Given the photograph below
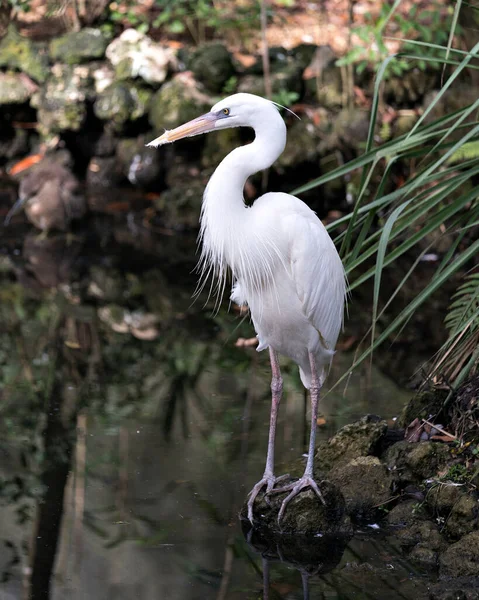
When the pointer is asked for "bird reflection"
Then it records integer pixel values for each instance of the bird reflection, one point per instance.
(311, 556)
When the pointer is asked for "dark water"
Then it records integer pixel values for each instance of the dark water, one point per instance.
(132, 414)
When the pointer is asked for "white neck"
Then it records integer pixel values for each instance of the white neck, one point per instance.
(224, 214)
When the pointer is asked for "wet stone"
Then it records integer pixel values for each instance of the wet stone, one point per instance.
(459, 588)
(406, 513)
(305, 514)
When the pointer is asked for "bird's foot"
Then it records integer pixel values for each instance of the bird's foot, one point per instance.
(269, 481)
(294, 489)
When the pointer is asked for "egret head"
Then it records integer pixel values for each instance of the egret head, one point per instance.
(239, 110)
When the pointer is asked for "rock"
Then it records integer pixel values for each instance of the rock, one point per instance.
(462, 558)
(410, 87)
(178, 101)
(180, 206)
(365, 484)
(13, 142)
(107, 284)
(361, 438)
(15, 88)
(220, 144)
(134, 54)
(103, 76)
(61, 101)
(463, 517)
(212, 66)
(423, 405)
(411, 462)
(405, 514)
(302, 144)
(51, 195)
(424, 556)
(102, 172)
(122, 102)
(404, 122)
(460, 588)
(305, 515)
(424, 533)
(140, 165)
(17, 52)
(78, 46)
(323, 81)
(287, 85)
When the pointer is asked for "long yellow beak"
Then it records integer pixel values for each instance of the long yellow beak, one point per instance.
(202, 124)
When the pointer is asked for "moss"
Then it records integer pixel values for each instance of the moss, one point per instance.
(20, 53)
(79, 46)
(114, 104)
(176, 102)
(212, 65)
(416, 462)
(422, 406)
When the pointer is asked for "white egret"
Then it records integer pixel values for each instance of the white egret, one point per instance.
(283, 264)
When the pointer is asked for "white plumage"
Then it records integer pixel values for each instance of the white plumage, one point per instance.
(283, 263)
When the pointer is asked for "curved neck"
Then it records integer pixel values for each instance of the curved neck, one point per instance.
(223, 212)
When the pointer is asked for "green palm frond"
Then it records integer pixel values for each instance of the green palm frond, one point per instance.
(464, 308)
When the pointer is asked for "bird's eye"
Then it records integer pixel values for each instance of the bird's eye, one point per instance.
(226, 111)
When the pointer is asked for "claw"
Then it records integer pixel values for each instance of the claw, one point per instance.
(296, 488)
(269, 481)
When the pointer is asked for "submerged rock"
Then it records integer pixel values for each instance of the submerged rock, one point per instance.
(134, 54)
(78, 46)
(459, 588)
(212, 65)
(361, 438)
(17, 52)
(462, 558)
(305, 514)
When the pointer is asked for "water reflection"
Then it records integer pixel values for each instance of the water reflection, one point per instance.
(132, 428)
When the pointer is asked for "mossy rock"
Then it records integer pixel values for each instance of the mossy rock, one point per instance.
(413, 462)
(361, 438)
(305, 514)
(423, 405)
(176, 102)
(17, 52)
(302, 145)
(462, 558)
(78, 46)
(180, 206)
(212, 65)
(115, 104)
(457, 505)
(140, 165)
(323, 80)
(220, 144)
(406, 513)
(459, 588)
(14, 89)
(287, 83)
(61, 102)
(365, 484)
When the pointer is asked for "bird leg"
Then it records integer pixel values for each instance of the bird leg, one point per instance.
(306, 480)
(269, 479)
